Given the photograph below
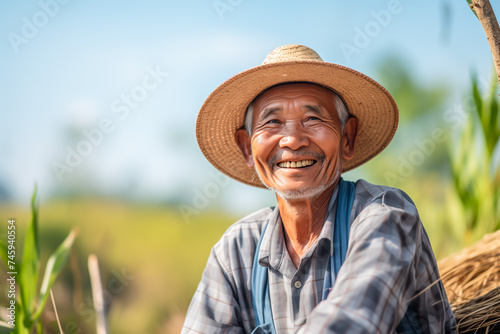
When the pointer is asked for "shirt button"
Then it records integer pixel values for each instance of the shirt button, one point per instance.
(297, 284)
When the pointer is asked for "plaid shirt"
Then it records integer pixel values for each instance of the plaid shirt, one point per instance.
(389, 267)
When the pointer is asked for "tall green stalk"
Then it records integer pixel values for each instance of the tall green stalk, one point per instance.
(30, 302)
(475, 171)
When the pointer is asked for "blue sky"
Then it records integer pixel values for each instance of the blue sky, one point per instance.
(71, 65)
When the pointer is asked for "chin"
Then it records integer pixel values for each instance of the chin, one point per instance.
(304, 193)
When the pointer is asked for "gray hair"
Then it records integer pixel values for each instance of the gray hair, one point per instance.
(342, 112)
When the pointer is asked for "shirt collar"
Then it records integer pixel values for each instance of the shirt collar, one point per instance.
(273, 249)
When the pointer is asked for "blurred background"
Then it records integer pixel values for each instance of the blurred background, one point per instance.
(99, 102)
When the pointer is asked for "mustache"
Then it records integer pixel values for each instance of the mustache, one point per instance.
(279, 156)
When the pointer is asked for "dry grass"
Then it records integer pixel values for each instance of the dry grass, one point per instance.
(474, 271)
(472, 282)
(479, 315)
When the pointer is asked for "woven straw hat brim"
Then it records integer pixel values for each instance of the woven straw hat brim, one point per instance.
(223, 112)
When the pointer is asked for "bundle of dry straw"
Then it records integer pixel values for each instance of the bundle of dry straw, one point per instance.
(471, 279)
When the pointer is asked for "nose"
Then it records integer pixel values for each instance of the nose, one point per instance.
(294, 136)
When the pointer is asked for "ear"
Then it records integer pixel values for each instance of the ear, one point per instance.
(245, 144)
(349, 139)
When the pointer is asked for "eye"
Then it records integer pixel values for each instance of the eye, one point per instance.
(312, 118)
(273, 121)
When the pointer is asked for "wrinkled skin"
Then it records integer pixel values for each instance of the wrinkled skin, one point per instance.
(298, 123)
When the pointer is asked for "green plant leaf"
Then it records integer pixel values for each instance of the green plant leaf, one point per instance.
(30, 265)
(493, 133)
(494, 100)
(55, 264)
(478, 101)
(20, 321)
(39, 328)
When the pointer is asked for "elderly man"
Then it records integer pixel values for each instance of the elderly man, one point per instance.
(333, 256)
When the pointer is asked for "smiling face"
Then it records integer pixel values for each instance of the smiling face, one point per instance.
(297, 144)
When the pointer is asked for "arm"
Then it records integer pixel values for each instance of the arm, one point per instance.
(378, 278)
(214, 308)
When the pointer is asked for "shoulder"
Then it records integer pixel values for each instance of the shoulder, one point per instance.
(388, 198)
(380, 210)
(387, 218)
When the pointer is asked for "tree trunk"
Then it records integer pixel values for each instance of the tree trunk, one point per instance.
(489, 22)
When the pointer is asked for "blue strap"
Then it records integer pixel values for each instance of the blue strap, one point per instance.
(260, 287)
(260, 295)
(341, 229)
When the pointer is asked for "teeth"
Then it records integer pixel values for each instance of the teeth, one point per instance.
(296, 164)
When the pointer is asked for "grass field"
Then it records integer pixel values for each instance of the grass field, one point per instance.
(151, 260)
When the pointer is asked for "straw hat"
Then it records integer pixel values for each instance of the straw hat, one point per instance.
(223, 112)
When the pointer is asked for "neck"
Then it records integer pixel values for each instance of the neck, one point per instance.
(303, 221)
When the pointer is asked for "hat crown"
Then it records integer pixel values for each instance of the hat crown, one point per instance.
(292, 52)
